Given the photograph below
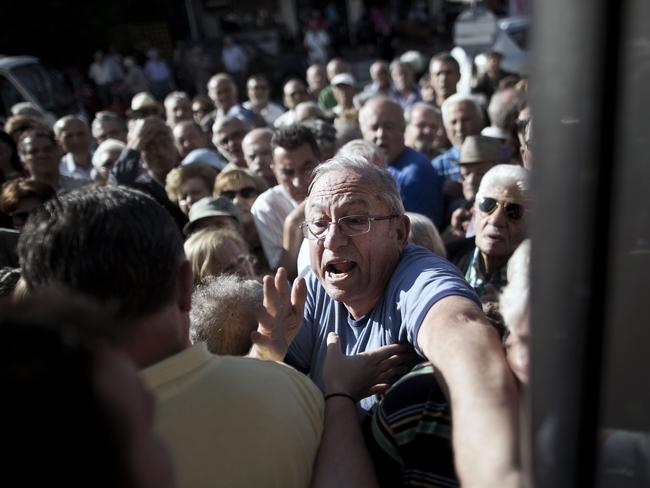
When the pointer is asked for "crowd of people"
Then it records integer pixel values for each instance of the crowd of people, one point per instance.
(219, 290)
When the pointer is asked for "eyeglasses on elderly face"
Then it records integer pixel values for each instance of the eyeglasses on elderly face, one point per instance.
(349, 226)
(514, 211)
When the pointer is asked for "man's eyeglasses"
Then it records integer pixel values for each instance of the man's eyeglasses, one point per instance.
(514, 211)
(247, 192)
(349, 226)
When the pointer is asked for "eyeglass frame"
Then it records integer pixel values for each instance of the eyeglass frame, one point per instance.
(308, 234)
(504, 205)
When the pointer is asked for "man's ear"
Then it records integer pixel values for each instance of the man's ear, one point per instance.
(402, 229)
(185, 281)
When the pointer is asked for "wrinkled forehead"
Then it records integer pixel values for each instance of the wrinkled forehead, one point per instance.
(348, 189)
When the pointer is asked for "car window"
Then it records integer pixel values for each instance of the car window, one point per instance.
(36, 81)
(8, 97)
(519, 35)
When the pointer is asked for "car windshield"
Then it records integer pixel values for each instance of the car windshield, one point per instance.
(46, 85)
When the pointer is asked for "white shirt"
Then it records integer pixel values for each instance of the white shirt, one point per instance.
(287, 118)
(269, 113)
(269, 211)
(68, 167)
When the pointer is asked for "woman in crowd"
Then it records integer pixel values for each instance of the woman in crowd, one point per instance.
(212, 252)
(242, 187)
(186, 185)
(21, 196)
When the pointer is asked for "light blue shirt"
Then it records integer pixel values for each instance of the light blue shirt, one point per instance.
(420, 279)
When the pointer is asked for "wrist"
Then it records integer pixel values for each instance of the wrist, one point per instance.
(340, 395)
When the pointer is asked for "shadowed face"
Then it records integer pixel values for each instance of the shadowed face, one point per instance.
(383, 124)
(293, 168)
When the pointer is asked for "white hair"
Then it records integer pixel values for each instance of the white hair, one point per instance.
(514, 303)
(223, 313)
(105, 147)
(457, 98)
(509, 176)
(366, 149)
(373, 176)
(424, 233)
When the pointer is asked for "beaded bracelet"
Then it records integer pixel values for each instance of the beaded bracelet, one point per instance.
(345, 395)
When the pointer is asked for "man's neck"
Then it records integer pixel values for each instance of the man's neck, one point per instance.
(489, 264)
(440, 100)
(156, 338)
(82, 160)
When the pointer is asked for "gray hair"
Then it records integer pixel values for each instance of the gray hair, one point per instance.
(323, 132)
(106, 116)
(223, 313)
(27, 108)
(379, 100)
(514, 300)
(422, 105)
(381, 179)
(60, 124)
(457, 98)
(220, 122)
(504, 107)
(107, 146)
(505, 176)
(177, 95)
(366, 149)
(424, 233)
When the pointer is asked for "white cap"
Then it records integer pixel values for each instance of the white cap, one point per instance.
(343, 79)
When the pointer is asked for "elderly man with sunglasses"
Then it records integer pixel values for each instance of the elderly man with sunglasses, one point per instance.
(374, 290)
(500, 223)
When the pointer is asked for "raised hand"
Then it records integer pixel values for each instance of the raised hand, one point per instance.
(279, 318)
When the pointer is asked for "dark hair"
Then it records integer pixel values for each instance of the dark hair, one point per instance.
(14, 160)
(445, 57)
(113, 244)
(48, 365)
(13, 191)
(293, 136)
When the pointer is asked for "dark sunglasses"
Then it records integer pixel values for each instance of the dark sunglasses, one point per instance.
(513, 211)
(247, 192)
(521, 124)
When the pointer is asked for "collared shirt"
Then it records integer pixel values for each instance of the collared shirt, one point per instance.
(406, 101)
(269, 113)
(69, 167)
(478, 280)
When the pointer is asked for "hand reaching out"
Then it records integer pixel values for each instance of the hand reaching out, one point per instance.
(279, 318)
(364, 374)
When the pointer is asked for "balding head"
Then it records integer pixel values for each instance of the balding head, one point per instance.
(316, 78)
(424, 130)
(223, 91)
(382, 122)
(256, 147)
(335, 67)
(294, 92)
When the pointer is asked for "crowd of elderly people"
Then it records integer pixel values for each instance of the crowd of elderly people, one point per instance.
(233, 292)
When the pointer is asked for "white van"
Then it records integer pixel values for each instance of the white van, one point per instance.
(25, 79)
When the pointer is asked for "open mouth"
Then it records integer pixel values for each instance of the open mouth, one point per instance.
(339, 269)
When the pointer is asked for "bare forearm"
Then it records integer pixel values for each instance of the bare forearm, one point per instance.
(467, 352)
(342, 459)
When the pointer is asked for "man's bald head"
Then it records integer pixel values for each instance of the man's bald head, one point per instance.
(335, 67)
(382, 122)
(256, 147)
